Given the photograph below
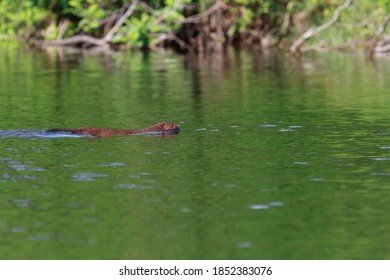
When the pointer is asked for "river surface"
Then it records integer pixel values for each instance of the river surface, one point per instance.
(277, 158)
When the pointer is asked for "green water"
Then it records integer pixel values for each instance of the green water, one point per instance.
(278, 158)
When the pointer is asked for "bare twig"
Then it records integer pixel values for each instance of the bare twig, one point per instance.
(382, 45)
(382, 27)
(88, 40)
(110, 20)
(120, 22)
(146, 7)
(209, 11)
(61, 28)
(382, 49)
(296, 46)
(385, 40)
(171, 37)
(373, 45)
(77, 39)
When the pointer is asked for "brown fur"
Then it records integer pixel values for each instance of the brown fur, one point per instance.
(163, 127)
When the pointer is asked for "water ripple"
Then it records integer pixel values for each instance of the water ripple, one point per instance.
(18, 229)
(132, 186)
(244, 244)
(259, 206)
(295, 126)
(113, 164)
(185, 210)
(41, 237)
(266, 206)
(316, 179)
(87, 177)
(276, 203)
(23, 203)
(267, 125)
(380, 174)
(286, 130)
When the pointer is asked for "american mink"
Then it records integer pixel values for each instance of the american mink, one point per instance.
(160, 128)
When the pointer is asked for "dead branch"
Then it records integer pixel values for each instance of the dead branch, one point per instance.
(208, 12)
(89, 40)
(385, 40)
(146, 7)
(374, 48)
(61, 28)
(383, 45)
(120, 22)
(109, 21)
(171, 37)
(77, 39)
(382, 27)
(382, 49)
(313, 31)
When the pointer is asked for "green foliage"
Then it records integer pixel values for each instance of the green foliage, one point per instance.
(248, 12)
(358, 22)
(143, 28)
(385, 4)
(135, 31)
(21, 19)
(90, 12)
(43, 18)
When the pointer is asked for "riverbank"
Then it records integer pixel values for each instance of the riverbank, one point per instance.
(199, 26)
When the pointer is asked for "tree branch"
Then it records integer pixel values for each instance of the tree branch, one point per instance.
(120, 22)
(77, 39)
(171, 37)
(61, 28)
(373, 45)
(296, 46)
(383, 49)
(209, 11)
(382, 27)
(89, 40)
